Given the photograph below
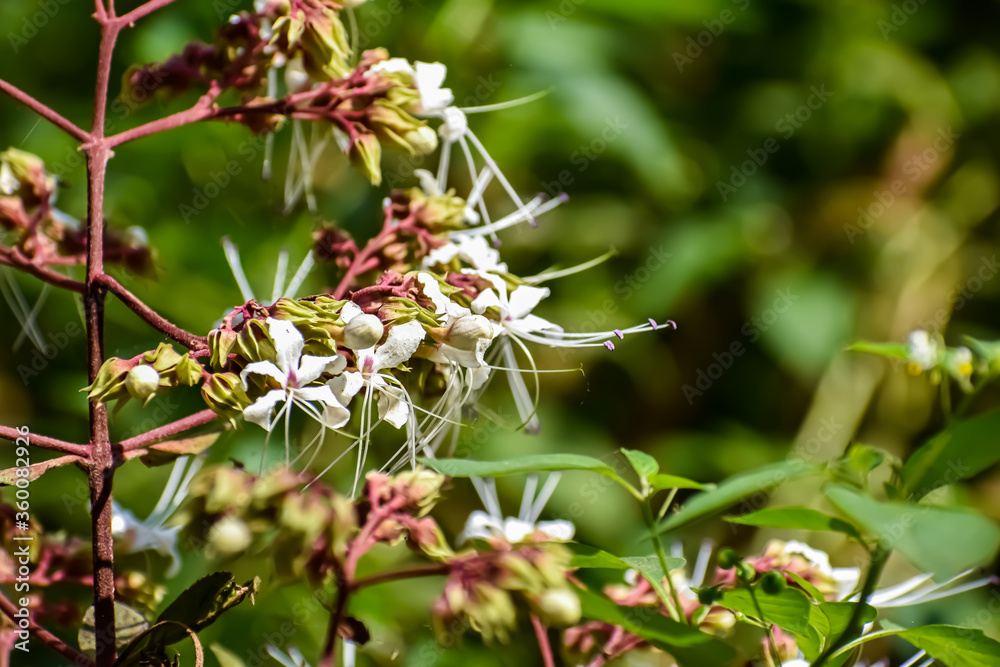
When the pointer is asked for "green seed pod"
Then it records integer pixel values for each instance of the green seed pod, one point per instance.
(773, 583)
(728, 559)
(142, 382)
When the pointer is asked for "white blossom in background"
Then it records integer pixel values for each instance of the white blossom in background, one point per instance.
(133, 536)
(492, 522)
(280, 288)
(922, 351)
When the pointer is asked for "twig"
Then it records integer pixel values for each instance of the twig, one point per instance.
(45, 112)
(158, 322)
(202, 110)
(141, 11)
(179, 426)
(16, 259)
(543, 641)
(49, 639)
(412, 573)
(854, 623)
(45, 442)
(329, 658)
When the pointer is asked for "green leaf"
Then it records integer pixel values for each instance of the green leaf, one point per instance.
(689, 646)
(952, 645)
(789, 609)
(891, 350)
(645, 466)
(195, 609)
(226, 657)
(651, 570)
(661, 481)
(795, 518)
(129, 624)
(525, 464)
(942, 541)
(959, 452)
(734, 489)
(588, 557)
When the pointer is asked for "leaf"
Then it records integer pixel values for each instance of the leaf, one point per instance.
(651, 570)
(129, 624)
(890, 350)
(195, 609)
(645, 466)
(690, 647)
(789, 609)
(942, 541)
(795, 518)
(661, 481)
(9, 476)
(525, 464)
(959, 452)
(734, 489)
(950, 644)
(166, 452)
(226, 657)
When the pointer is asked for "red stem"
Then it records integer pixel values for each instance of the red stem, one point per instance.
(202, 110)
(45, 442)
(179, 426)
(14, 258)
(413, 573)
(543, 641)
(362, 261)
(49, 639)
(158, 322)
(139, 12)
(45, 112)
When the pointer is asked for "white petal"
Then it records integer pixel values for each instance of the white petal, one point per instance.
(477, 252)
(392, 66)
(441, 255)
(335, 414)
(486, 299)
(265, 368)
(350, 311)
(455, 125)
(311, 367)
(515, 530)
(524, 299)
(399, 346)
(391, 407)
(337, 366)
(532, 323)
(432, 290)
(479, 525)
(260, 412)
(288, 343)
(346, 386)
(559, 529)
(428, 78)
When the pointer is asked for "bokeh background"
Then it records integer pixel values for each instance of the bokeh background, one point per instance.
(779, 178)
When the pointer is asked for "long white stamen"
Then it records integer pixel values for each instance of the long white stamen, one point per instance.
(30, 330)
(912, 661)
(233, 259)
(304, 268)
(517, 217)
(522, 399)
(483, 211)
(444, 164)
(884, 595)
(489, 502)
(500, 106)
(173, 483)
(479, 187)
(701, 565)
(280, 273)
(544, 495)
(527, 498)
(350, 648)
(552, 275)
(496, 170)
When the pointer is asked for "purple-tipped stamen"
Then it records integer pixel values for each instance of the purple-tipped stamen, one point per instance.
(608, 344)
(653, 324)
(618, 332)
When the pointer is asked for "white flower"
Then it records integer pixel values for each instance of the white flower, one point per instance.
(492, 523)
(133, 535)
(474, 250)
(923, 350)
(429, 78)
(8, 182)
(294, 373)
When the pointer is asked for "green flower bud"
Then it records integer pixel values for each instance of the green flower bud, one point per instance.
(229, 536)
(142, 382)
(423, 140)
(773, 583)
(188, 371)
(728, 559)
(363, 332)
(745, 571)
(559, 607)
(110, 381)
(220, 344)
(366, 156)
(708, 596)
(224, 393)
(163, 358)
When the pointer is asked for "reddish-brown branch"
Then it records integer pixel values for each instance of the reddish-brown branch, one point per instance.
(413, 573)
(543, 641)
(158, 322)
(16, 259)
(179, 426)
(49, 639)
(45, 112)
(363, 260)
(45, 442)
(139, 12)
(202, 110)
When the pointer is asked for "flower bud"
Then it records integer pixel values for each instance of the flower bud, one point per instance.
(559, 607)
(468, 330)
(423, 140)
(363, 331)
(229, 536)
(366, 156)
(142, 381)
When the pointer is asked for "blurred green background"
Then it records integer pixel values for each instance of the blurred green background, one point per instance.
(779, 178)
